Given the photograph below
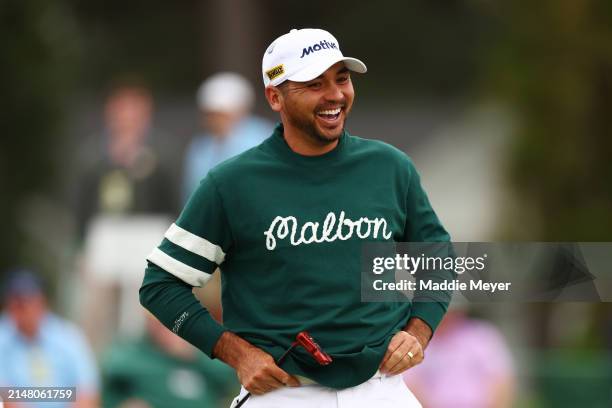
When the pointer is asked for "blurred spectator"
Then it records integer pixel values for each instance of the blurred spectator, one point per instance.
(129, 174)
(225, 101)
(39, 348)
(123, 195)
(467, 365)
(162, 370)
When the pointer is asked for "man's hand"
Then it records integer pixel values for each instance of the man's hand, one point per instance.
(404, 351)
(256, 369)
(419, 329)
(258, 373)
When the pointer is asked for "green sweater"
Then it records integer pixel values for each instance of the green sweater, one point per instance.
(286, 232)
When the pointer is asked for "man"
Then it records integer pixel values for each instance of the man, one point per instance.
(122, 191)
(40, 349)
(225, 101)
(129, 174)
(285, 222)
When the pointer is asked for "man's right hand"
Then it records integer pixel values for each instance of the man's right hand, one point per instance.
(256, 369)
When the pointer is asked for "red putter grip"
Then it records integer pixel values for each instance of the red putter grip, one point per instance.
(305, 340)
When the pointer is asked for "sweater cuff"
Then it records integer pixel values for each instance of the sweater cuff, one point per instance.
(429, 311)
(203, 331)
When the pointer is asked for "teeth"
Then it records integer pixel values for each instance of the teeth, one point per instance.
(330, 112)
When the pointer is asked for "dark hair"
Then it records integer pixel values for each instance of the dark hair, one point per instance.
(130, 82)
(22, 282)
(283, 87)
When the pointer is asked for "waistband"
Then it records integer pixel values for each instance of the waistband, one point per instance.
(307, 381)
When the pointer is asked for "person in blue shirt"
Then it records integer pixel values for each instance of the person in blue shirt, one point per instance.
(225, 101)
(41, 349)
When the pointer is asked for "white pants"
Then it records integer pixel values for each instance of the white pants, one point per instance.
(379, 392)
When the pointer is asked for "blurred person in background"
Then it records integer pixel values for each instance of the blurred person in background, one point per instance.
(225, 101)
(41, 349)
(163, 370)
(129, 174)
(468, 365)
(122, 194)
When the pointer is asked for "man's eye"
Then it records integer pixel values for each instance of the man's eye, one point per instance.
(314, 85)
(343, 79)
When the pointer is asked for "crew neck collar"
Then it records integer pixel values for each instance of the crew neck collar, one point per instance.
(279, 145)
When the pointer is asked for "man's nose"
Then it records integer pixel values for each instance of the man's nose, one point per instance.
(333, 92)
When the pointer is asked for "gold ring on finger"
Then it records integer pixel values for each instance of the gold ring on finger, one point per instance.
(409, 354)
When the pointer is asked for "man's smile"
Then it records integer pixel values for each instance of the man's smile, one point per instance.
(329, 116)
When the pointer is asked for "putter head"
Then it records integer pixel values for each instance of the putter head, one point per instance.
(305, 340)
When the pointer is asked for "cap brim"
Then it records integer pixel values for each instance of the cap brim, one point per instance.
(312, 71)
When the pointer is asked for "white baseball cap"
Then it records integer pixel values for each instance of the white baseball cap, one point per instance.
(225, 92)
(302, 55)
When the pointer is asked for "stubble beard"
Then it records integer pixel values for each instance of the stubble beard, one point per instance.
(309, 129)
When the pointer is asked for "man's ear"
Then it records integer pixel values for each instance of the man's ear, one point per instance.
(274, 97)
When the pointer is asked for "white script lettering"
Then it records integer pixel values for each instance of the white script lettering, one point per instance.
(283, 227)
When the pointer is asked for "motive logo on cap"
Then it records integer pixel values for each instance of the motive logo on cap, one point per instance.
(323, 45)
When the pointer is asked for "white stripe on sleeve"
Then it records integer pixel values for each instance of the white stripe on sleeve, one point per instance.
(186, 273)
(195, 244)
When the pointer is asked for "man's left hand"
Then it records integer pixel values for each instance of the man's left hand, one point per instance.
(404, 351)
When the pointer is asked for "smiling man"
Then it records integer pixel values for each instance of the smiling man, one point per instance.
(285, 223)
(309, 110)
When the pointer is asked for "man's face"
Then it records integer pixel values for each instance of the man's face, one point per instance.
(128, 112)
(319, 108)
(219, 123)
(27, 312)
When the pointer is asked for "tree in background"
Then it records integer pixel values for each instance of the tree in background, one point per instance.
(554, 62)
(38, 41)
